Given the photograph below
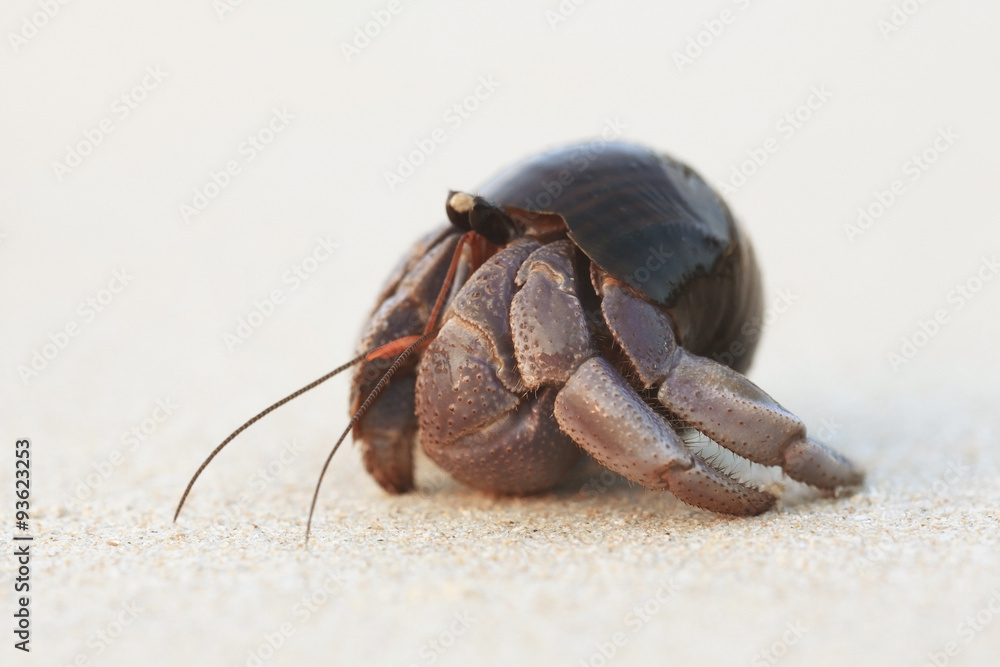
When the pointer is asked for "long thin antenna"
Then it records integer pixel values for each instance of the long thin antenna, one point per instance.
(410, 343)
(429, 330)
(256, 418)
(357, 416)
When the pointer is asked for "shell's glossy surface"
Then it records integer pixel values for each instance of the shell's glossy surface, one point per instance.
(621, 207)
(655, 224)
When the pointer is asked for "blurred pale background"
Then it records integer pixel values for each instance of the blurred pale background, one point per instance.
(116, 116)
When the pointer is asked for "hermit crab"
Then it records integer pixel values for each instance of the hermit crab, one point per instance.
(576, 305)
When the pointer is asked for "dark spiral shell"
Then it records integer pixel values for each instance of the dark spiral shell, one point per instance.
(655, 224)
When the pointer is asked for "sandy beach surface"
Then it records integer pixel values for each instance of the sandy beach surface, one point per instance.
(199, 204)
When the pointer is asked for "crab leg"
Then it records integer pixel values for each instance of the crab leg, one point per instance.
(477, 421)
(611, 422)
(386, 432)
(735, 413)
(716, 400)
(595, 406)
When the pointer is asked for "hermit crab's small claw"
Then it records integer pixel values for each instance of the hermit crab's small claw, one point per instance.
(741, 417)
(703, 486)
(605, 416)
(811, 462)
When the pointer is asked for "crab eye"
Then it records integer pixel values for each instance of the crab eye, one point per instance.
(478, 214)
(492, 222)
(458, 207)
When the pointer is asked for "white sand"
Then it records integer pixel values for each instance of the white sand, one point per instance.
(895, 574)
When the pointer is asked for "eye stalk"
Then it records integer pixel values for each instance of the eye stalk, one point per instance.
(480, 215)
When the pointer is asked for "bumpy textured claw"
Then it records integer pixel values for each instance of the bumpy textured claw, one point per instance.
(548, 325)
(716, 400)
(476, 420)
(738, 415)
(812, 462)
(605, 416)
(516, 384)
